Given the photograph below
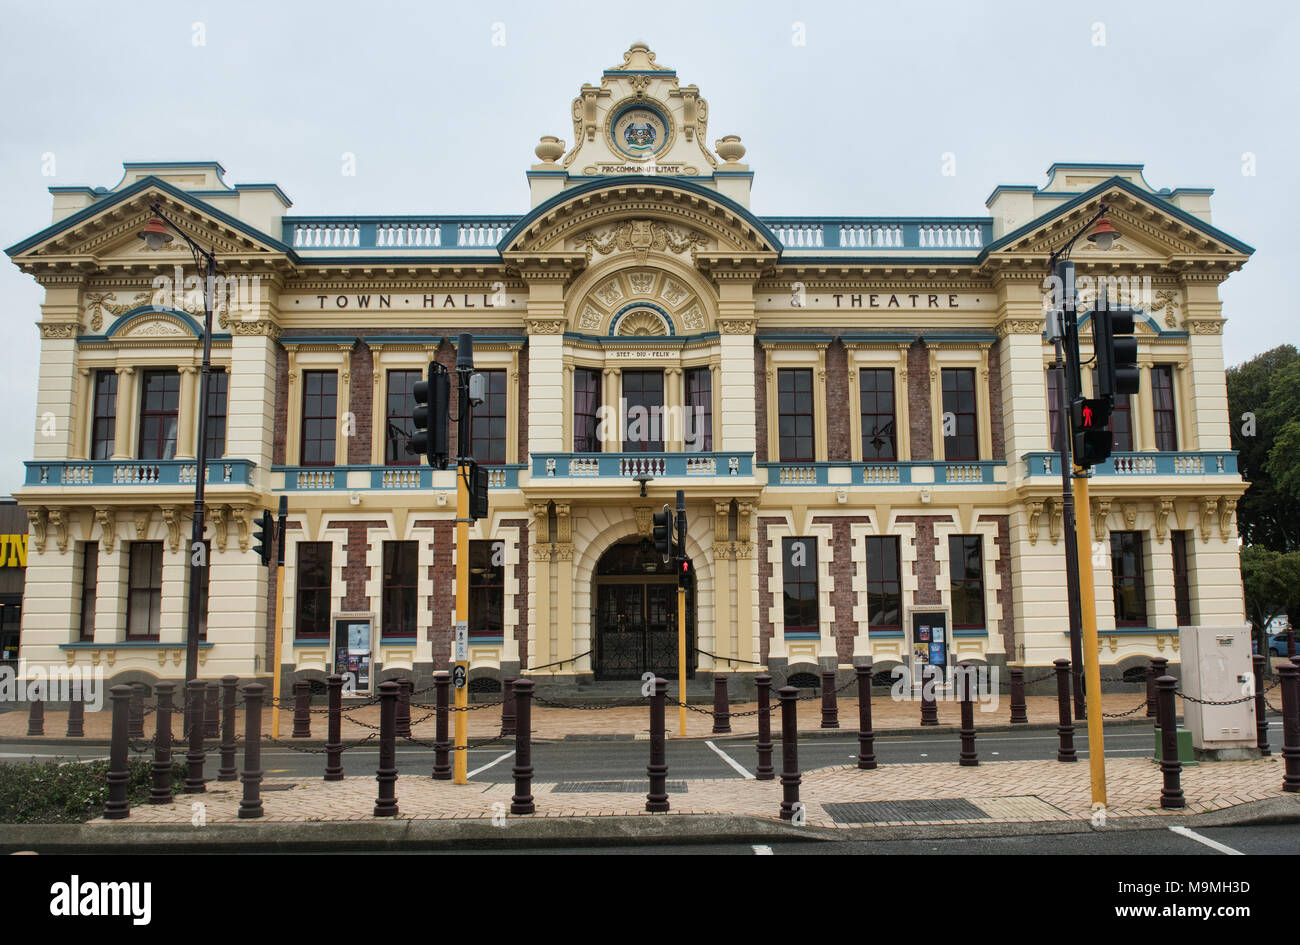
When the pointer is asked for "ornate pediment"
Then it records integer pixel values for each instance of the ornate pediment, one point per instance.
(639, 237)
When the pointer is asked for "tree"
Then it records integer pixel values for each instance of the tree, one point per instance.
(1264, 417)
(1271, 581)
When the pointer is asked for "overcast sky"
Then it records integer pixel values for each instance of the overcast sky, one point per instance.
(854, 121)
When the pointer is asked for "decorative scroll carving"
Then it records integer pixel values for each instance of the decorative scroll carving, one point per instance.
(1167, 302)
(37, 519)
(643, 520)
(171, 518)
(1208, 508)
(59, 519)
(1226, 509)
(107, 519)
(744, 510)
(217, 515)
(1162, 519)
(642, 236)
(242, 515)
(563, 524)
(1035, 514)
(1100, 509)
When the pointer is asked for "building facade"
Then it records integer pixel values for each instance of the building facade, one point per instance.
(857, 410)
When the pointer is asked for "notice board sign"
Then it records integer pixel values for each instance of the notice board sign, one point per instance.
(352, 650)
(930, 639)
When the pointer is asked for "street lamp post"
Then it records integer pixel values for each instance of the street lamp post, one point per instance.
(156, 235)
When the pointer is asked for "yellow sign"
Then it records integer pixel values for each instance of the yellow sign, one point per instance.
(13, 551)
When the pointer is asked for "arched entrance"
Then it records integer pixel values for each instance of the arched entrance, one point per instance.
(635, 614)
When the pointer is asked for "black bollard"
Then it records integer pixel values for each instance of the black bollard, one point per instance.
(790, 779)
(1065, 727)
(194, 690)
(830, 705)
(135, 715)
(77, 713)
(1154, 672)
(212, 710)
(866, 736)
(1289, 675)
(36, 717)
(386, 775)
(522, 801)
(1019, 712)
(227, 770)
(404, 708)
(334, 730)
(441, 741)
(301, 709)
(764, 771)
(250, 806)
(656, 802)
(1261, 720)
(1171, 795)
(929, 709)
(508, 705)
(161, 791)
(118, 773)
(721, 712)
(965, 686)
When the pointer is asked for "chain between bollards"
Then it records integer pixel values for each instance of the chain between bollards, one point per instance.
(1065, 726)
(522, 800)
(764, 771)
(1171, 766)
(866, 735)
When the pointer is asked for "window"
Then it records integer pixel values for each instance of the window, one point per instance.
(205, 574)
(795, 423)
(160, 399)
(1055, 398)
(401, 567)
(1162, 406)
(966, 566)
(961, 436)
(799, 572)
(488, 427)
(586, 410)
(884, 593)
(397, 417)
(144, 590)
(697, 426)
(218, 408)
(643, 404)
(879, 437)
(89, 586)
(104, 425)
(487, 588)
(314, 574)
(1129, 579)
(1182, 587)
(319, 406)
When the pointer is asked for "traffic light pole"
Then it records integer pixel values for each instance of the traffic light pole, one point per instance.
(1092, 654)
(281, 520)
(681, 611)
(460, 673)
(1071, 551)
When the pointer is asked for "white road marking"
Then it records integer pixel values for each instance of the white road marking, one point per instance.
(489, 764)
(761, 850)
(1212, 844)
(731, 761)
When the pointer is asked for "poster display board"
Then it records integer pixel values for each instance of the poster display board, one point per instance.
(352, 650)
(930, 640)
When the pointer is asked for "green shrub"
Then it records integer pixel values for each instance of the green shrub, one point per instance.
(47, 792)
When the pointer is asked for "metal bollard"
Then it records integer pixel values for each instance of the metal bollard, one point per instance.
(764, 771)
(790, 779)
(76, 714)
(301, 709)
(36, 717)
(227, 770)
(1065, 727)
(441, 741)
(656, 802)
(212, 710)
(522, 801)
(830, 705)
(135, 714)
(1289, 674)
(194, 690)
(250, 805)
(334, 730)
(965, 682)
(1171, 795)
(161, 790)
(866, 736)
(118, 773)
(929, 709)
(721, 712)
(1019, 711)
(386, 775)
(508, 705)
(1261, 719)
(404, 708)
(1154, 672)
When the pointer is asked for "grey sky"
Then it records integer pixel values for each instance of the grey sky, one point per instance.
(854, 122)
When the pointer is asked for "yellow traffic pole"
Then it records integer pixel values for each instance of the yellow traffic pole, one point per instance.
(681, 656)
(460, 761)
(275, 653)
(1091, 651)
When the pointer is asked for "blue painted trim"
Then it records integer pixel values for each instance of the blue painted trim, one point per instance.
(135, 313)
(398, 641)
(884, 336)
(821, 472)
(971, 632)
(802, 635)
(630, 306)
(102, 472)
(317, 340)
(311, 641)
(608, 465)
(674, 340)
(1166, 463)
(778, 337)
(486, 641)
(884, 634)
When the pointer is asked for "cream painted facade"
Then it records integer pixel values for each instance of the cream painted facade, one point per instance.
(639, 253)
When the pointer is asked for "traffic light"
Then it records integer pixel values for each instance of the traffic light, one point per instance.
(1116, 349)
(680, 544)
(686, 574)
(478, 491)
(663, 528)
(1092, 440)
(264, 536)
(430, 417)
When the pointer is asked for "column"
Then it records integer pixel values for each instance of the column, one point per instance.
(612, 398)
(539, 619)
(1140, 410)
(187, 422)
(79, 447)
(722, 584)
(747, 622)
(127, 414)
(671, 431)
(564, 629)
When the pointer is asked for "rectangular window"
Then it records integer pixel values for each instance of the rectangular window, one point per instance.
(1127, 567)
(586, 410)
(795, 417)
(643, 405)
(488, 429)
(218, 409)
(89, 587)
(487, 588)
(144, 590)
(401, 567)
(397, 417)
(961, 433)
(319, 417)
(313, 574)
(697, 426)
(104, 425)
(1182, 587)
(799, 574)
(1055, 398)
(1162, 406)
(884, 593)
(966, 566)
(160, 400)
(879, 436)
(1121, 422)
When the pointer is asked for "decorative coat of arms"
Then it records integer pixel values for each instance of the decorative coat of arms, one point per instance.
(641, 236)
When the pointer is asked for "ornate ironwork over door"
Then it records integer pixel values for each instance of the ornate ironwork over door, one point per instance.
(636, 630)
